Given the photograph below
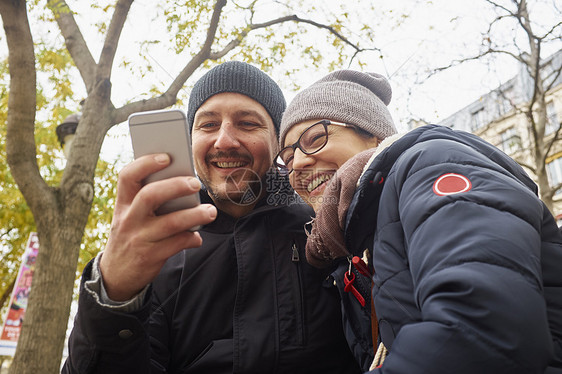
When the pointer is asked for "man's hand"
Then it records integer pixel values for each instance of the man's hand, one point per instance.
(140, 242)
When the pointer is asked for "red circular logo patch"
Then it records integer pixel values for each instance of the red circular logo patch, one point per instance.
(450, 184)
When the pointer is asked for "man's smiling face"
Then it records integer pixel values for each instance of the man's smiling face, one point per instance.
(234, 142)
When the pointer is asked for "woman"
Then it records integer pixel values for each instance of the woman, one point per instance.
(465, 261)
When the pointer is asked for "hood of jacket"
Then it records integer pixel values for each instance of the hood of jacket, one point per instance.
(365, 203)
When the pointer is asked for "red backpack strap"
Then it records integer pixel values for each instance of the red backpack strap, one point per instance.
(374, 325)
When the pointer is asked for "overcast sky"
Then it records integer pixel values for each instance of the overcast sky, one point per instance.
(412, 36)
(433, 32)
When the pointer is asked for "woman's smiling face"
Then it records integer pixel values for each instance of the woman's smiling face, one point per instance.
(311, 172)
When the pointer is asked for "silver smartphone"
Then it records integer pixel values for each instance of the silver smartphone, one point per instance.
(165, 131)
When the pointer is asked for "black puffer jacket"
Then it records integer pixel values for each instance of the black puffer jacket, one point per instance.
(244, 302)
(467, 259)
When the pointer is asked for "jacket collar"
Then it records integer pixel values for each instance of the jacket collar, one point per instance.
(362, 214)
(365, 204)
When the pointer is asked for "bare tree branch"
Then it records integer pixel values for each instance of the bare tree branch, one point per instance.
(534, 66)
(313, 23)
(20, 139)
(552, 77)
(499, 18)
(112, 37)
(8, 292)
(528, 166)
(74, 41)
(169, 97)
(551, 31)
(508, 11)
(474, 58)
(552, 141)
(205, 53)
(537, 82)
(292, 18)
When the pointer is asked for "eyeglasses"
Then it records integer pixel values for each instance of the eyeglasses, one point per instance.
(312, 140)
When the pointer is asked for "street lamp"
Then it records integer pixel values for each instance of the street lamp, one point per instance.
(66, 130)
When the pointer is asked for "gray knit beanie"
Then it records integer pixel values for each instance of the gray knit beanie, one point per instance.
(239, 77)
(347, 96)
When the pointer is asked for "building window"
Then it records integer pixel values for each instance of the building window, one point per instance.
(554, 172)
(477, 119)
(504, 100)
(504, 106)
(552, 122)
(510, 141)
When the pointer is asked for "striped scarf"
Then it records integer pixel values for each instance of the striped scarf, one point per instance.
(325, 240)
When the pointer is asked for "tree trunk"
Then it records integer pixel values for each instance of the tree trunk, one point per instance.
(536, 111)
(60, 226)
(40, 344)
(60, 214)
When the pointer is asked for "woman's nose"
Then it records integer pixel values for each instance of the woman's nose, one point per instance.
(301, 160)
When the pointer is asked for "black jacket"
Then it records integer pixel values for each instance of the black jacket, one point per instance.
(467, 259)
(246, 301)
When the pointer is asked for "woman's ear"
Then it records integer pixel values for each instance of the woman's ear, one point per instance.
(374, 141)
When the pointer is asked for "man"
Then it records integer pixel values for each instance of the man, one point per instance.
(241, 298)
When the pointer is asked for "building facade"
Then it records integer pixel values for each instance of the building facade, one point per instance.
(499, 118)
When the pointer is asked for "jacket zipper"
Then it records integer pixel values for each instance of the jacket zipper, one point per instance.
(295, 258)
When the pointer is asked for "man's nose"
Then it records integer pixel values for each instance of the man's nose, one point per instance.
(227, 137)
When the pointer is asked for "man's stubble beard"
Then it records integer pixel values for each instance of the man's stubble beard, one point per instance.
(242, 189)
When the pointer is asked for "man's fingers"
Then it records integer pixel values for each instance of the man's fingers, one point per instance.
(171, 224)
(154, 194)
(172, 245)
(132, 175)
